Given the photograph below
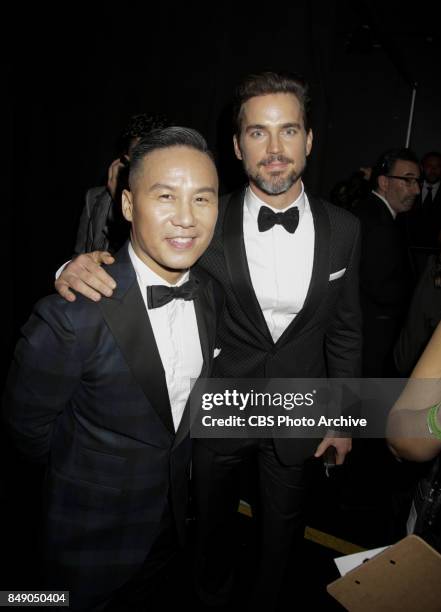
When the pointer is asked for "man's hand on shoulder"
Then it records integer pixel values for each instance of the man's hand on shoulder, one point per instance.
(85, 275)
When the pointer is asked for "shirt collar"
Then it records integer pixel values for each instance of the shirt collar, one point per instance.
(391, 210)
(146, 276)
(254, 203)
(434, 186)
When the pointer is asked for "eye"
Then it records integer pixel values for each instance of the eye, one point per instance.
(166, 197)
(201, 200)
(256, 133)
(290, 131)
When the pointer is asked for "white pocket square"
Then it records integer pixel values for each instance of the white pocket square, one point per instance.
(216, 352)
(337, 274)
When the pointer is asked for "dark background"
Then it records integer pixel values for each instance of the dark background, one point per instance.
(75, 79)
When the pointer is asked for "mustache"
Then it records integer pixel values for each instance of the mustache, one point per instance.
(275, 158)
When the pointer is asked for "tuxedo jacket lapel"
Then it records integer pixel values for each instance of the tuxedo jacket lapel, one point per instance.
(126, 316)
(238, 270)
(320, 271)
(205, 309)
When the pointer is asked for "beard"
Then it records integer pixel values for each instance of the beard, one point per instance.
(278, 182)
(409, 202)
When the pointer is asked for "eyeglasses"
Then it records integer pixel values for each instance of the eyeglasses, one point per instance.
(410, 180)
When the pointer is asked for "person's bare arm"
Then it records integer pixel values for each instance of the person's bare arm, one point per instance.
(408, 435)
(85, 275)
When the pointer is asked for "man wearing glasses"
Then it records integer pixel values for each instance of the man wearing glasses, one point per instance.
(385, 274)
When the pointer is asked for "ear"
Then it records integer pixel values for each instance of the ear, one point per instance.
(127, 205)
(382, 182)
(309, 139)
(237, 147)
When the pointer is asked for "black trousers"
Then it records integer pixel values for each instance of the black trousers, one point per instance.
(278, 510)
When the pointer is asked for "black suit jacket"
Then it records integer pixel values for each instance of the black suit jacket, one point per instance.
(87, 394)
(324, 339)
(385, 273)
(102, 226)
(424, 223)
(386, 281)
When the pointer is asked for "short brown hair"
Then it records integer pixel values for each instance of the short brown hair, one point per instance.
(265, 83)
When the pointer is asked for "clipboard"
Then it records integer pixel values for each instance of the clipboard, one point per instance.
(405, 577)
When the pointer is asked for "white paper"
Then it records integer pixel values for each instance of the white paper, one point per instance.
(349, 562)
(412, 519)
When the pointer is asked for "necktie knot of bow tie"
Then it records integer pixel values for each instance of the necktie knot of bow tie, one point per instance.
(268, 218)
(159, 295)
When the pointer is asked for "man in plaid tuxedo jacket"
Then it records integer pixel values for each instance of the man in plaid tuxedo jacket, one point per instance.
(98, 390)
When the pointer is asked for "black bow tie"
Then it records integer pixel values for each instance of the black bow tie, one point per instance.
(159, 295)
(267, 219)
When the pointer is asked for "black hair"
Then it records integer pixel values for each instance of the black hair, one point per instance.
(173, 136)
(385, 163)
(431, 154)
(265, 83)
(139, 126)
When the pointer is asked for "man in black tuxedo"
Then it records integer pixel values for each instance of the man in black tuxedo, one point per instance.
(98, 391)
(385, 274)
(288, 263)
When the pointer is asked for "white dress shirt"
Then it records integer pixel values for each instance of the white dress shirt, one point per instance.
(280, 263)
(177, 337)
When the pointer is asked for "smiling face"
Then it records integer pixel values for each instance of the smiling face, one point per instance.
(273, 146)
(172, 207)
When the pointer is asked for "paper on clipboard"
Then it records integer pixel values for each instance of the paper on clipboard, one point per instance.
(348, 562)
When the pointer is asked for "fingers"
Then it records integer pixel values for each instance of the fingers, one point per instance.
(112, 176)
(115, 165)
(102, 257)
(79, 286)
(322, 447)
(85, 276)
(342, 447)
(63, 289)
(114, 169)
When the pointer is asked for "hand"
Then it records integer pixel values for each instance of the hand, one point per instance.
(366, 171)
(85, 275)
(112, 176)
(342, 446)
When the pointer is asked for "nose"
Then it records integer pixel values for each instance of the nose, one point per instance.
(274, 145)
(184, 214)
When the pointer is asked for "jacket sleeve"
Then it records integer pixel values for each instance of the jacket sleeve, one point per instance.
(343, 341)
(81, 241)
(93, 228)
(44, 373)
